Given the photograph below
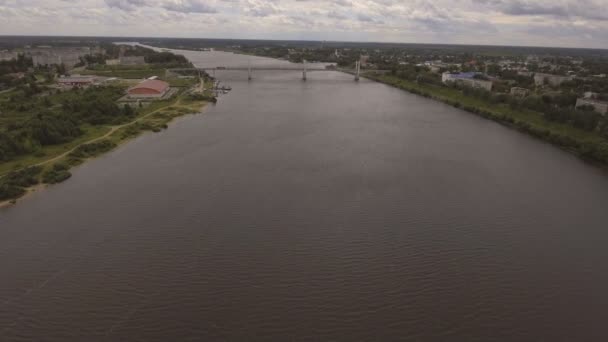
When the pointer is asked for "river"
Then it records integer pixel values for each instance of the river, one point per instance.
(326, 210)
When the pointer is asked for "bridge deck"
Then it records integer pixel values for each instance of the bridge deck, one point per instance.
(263, 69)
(256, 69)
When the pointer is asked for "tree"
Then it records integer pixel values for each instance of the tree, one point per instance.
(128, 110)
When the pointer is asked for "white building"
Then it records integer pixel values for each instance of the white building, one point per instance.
(590, 95)
(520, 92)
(599, 106)
(553, 80)
(470, 79)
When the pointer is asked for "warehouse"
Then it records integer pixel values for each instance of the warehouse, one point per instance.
(149, 89)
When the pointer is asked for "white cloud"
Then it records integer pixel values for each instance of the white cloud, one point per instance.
(513, 22)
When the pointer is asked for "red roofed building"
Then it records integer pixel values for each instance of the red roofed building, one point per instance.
(149, 89)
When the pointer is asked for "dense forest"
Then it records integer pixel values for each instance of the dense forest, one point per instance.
(50, 119)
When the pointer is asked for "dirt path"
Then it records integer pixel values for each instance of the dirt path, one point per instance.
(112, 130)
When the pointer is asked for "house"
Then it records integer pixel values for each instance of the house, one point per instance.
(553, 80)
(149, 89)
(519, 92)
(598, 105)
(471, 79)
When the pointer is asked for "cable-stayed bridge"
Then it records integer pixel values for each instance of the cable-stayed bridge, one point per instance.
(251, 69)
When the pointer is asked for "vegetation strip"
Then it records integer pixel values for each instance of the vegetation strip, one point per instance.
(17, 183)
(586, 144)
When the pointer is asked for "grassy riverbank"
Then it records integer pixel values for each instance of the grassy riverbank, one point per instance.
(30, 172)
(588, 145)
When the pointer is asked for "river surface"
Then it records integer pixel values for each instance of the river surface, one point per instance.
(326, 210)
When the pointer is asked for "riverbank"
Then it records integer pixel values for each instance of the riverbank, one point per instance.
(56, 168)
(590, 146)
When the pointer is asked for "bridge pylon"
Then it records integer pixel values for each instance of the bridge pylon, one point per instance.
(304, 71)
(358, 71)
(250, 76)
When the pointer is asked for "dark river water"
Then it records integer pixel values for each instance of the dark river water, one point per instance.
(326, 210)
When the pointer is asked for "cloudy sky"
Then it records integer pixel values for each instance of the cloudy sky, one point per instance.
(571, 23)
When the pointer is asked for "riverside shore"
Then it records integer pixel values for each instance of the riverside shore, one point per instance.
(154, 121)
(587, 145)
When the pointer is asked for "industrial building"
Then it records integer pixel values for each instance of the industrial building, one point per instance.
(149, 89)
(471, 79)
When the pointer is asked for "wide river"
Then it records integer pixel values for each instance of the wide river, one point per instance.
(325, 210)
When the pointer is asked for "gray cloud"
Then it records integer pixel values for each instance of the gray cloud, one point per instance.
(126, 5)
(586, 9)
(189, 6)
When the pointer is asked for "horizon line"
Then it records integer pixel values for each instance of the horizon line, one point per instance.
(312, 41)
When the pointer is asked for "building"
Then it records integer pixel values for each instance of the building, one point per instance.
(598, 105)
(68, 56)
(553, 80)
(46, 59)
(152, 89)
(113, 61)
(132, 60)
(437, 66)
(77, 81)
(519, 92)
(590, 95)
(471, 79)
(7, 55)
(525, 73)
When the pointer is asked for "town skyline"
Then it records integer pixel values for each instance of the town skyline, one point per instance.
(568, 23)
